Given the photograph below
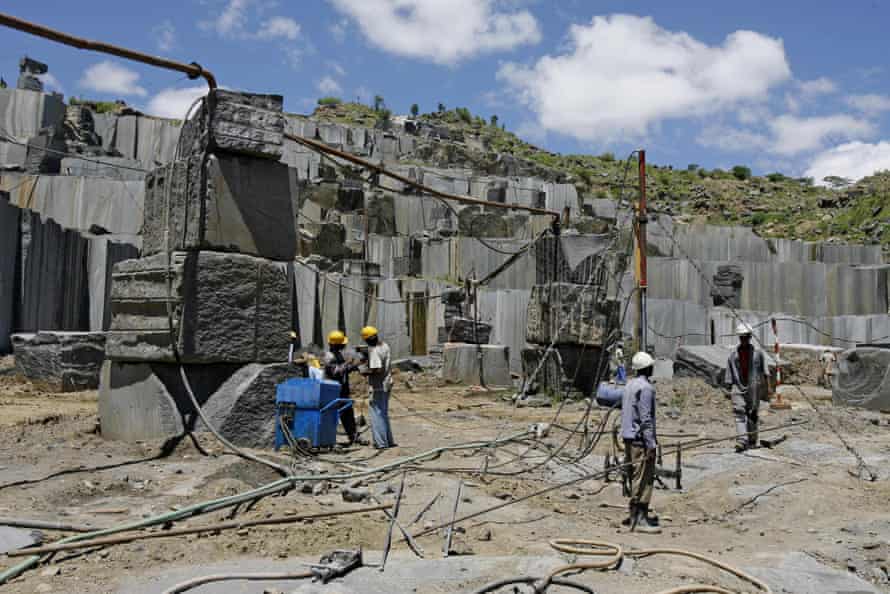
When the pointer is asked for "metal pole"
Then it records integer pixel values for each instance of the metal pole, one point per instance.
(778, 403)
(641, 256)
(193, 70)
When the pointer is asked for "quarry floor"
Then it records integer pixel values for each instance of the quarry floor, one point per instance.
(819, 529)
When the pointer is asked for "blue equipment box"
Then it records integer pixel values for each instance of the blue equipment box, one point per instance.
(310, 409)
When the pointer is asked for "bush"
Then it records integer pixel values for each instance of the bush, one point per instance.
(692, 167)
(330, 101)
(741, 172)
(494, 121)
(415, 109)
(441, 108)
(775, 177)
(384, 119)
(464, 114)
(607, 157)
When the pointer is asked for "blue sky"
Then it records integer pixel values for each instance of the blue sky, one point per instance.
(798, 87)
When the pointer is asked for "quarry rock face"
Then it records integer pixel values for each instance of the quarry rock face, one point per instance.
(861, 379)
(567, 313)
(67, 361)
(225, 308)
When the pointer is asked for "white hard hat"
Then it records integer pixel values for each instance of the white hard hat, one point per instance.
(744, 329)
(641, 361)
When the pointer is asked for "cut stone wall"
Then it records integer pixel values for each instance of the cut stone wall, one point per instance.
(568, 314)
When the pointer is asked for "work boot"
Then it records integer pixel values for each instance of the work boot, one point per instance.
(643, 524)
(358, 440)
(631, 512)
(653, 519)
(740, 447)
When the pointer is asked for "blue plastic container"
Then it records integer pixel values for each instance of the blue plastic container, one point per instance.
(307, 393)
(312, 408)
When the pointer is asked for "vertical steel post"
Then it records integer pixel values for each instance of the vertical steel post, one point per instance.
(640, 252)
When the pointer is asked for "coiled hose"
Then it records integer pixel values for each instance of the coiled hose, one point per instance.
(611, 556)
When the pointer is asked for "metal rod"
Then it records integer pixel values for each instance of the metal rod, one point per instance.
(450, 532)
(321, 147)
(231, 525)
(41, 525)
(193, 70)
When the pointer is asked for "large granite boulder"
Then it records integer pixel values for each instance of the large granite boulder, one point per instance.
(461, 364)
(568, 313)
(229, 308)
(243, 123)
(221, 202)
(65, 361)
(861, 379)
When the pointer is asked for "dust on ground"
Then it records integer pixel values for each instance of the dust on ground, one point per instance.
(745, 509)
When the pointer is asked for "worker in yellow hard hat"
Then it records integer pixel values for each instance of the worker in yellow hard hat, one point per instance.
(378, 372)
(337, 367)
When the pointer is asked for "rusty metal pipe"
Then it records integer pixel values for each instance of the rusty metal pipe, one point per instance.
(193, 70)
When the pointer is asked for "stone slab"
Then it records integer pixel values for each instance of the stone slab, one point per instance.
(225, 308)
(461, 364)
(227, 203)
(66, 361)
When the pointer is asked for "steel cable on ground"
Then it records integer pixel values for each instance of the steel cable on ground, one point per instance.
(861, 464)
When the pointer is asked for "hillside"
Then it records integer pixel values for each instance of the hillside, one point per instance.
(773, 205)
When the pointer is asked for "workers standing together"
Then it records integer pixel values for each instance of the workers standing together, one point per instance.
(640, 441)
(379, 374)
(747, 382)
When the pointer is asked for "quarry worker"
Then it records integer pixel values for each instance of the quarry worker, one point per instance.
(640, 441)
(747, 381)
(337, 368)
(378, 372)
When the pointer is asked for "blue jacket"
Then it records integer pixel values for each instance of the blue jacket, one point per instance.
(638, 412)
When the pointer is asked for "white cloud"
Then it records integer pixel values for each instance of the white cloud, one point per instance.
(110, 77)
(869, 104)
(338, 30)
(336, 67)
(817, 86)
(173, 103)
(50, 82)
(231, 21)
(328, 86)
(623, 74)
(279, 27)
(164, 35)
(732, 139)
(793, 135)
(438, 31)
(853, 160)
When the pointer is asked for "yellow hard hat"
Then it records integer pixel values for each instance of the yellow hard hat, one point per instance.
(368, 332)
(337, 337)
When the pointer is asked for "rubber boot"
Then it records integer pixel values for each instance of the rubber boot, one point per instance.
(631, 511)
(643, 523)
(653, 519)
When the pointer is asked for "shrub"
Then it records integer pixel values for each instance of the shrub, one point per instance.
(741, 172)
(494, 121)
(607, 157)
(464, 114)
(415, 109)
(441, 107)
(692, 167)
(330, 101)
(775, 177)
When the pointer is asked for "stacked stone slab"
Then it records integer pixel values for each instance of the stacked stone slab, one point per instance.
(212, 298)
(572, 314)
(64, 361)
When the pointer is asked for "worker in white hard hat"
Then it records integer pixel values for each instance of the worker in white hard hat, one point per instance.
(337, 367)
(640, 441)
(379, 374)
(747, 383)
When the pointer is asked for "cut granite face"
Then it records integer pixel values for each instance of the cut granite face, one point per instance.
(65, 361)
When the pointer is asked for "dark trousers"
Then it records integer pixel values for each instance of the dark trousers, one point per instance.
(347, 418)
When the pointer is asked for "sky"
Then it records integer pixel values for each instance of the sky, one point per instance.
(798, 87)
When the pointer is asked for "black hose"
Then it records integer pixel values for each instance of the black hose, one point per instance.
(531, 580)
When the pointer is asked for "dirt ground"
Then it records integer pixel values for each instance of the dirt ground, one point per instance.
(749, 510)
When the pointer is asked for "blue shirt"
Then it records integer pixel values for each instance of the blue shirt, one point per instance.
(638, 412)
